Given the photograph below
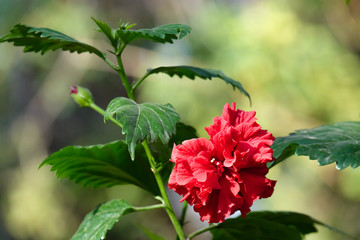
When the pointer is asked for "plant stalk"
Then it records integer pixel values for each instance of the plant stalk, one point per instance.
(112, 65)
(194, 234)
(183, 213)
(102, 112)
(166, 204)
(136, 84)
(168, 208)
(124, 78)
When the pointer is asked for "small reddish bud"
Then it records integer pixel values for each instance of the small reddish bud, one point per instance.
(82, 96)
(73, 90)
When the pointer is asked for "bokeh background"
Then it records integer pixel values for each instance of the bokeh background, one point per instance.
(299, 60)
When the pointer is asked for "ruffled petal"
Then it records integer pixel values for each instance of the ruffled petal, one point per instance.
(254, 185)
(226, 173)
(221, 203)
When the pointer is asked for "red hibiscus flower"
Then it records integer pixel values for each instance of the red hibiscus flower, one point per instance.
(226, 173)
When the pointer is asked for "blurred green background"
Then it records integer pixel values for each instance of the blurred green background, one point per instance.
(299, 60)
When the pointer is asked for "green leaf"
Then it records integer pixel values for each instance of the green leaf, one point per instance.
(303, 223)
(192, 72)
(266, 225)
(108, 31)
(183, 132)
(338, 143)
(143, 121)
(45, 39)
(161, 34)
(103, 166)
(286, 153)
(102, 219)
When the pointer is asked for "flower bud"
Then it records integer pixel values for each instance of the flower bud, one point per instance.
(82, 96)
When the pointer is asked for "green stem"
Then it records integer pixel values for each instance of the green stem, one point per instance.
(97, 108)
(102, 112)
(183, 213)
(112, 65)
(130, 91)
(157, 206)
(166, 202)
(194, 234)
(168, 208)
(124, 78)
(135, 85)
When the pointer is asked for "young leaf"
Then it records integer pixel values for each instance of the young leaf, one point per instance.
(45, 39)
(143, 121)
(96, 223)
(108, 31)
(192, 72)
(103, 166)
(266, 225)
(161, 34)
(338, 143)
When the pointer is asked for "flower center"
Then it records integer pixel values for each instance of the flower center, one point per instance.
(216, 162)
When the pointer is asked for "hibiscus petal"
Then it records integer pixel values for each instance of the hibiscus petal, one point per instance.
(221, 203)
(205, 172)
(226, 173)
(192, 148)
(181, 174)
(255, 185)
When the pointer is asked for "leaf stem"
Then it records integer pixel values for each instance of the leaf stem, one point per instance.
(97, 108)
(130, 91)
(111, 64)
(183, 213)
(102, 112)
(194, 234)
(168, 208)
(136, 84)
(156, 206)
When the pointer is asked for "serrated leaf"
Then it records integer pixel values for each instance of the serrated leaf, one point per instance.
(103, 166)
(143, 121)
(266, 225)
(99, 221)
(162, 34)
(192, 72)
(338, 143)
(108, 31)
(286, 153)
(45, 39)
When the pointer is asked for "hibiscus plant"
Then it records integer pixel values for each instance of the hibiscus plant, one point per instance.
(217, 176)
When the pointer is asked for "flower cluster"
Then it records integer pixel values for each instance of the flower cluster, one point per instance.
(226, 173)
